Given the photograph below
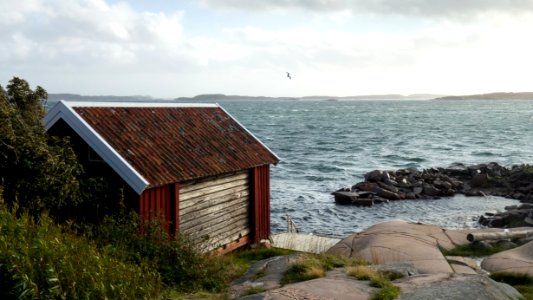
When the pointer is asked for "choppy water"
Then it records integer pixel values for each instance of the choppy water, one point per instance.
(327, 145)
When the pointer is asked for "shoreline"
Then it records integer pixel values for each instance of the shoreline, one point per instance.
(491, 179)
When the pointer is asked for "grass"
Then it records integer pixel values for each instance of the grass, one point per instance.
(522, 282)
(261, 273)
(42, 260)
(474, 250)
(311, 266)
(381, 280)
(246, 257)
(253, 291)
(174, 295)
(387, 292)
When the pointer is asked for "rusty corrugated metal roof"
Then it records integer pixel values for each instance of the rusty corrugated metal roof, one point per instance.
(171, 144)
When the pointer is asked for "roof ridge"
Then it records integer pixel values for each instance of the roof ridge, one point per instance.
(134, 104)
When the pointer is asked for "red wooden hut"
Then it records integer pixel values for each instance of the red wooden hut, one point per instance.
(192, 165)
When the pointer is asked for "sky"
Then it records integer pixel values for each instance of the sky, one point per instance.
(175, 48)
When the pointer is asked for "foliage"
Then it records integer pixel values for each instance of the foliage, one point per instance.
(253, 291)
(302, 271)
(522, 282)
(388, 291)
(41, 172)
(377, 279)
(36, 171)
(44, 260)
(244, 258)
(361, 272)
(180, 263)
(474, 250)
(310, 266)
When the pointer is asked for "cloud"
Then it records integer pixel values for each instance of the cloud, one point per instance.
(92, 46)
(88, 33)
(420, 8)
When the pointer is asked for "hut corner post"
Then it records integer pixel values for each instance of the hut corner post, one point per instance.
(162, 204)
(260, 218)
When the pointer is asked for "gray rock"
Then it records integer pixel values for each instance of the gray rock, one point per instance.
(454, 287)
(480, 180)
(342, 197)
(374, 176)
(388, 187)
(365, 186)
(417, 190)
(446, 185)
(386, 194)
(517, 260)
(410, 195)
(403, 269)
(430, 190)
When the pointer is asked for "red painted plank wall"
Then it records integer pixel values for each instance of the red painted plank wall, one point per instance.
(261, 203)
(161, 203)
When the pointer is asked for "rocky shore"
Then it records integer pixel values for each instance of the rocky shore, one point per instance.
(418, 257)
(514, 182)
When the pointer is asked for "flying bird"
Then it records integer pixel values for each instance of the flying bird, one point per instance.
(289, 75)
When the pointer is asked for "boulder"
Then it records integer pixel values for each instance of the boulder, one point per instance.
(365, 186)
(386, 194)
(454, 287)
(403, 242)
(430, 190)
(517, 260)
(388, 187)
(417, 190)
(480, 180)
(342, 197)
(410, 195)
(374, 176)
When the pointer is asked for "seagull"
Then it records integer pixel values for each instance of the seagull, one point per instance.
(289, 75)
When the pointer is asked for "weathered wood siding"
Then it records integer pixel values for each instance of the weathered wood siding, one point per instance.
(215, 211)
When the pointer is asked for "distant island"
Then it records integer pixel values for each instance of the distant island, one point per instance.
(491, 96)
(222, 97)
(76, 97)
(53, 98)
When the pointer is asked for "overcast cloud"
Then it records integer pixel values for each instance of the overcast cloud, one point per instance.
(343, 48)
(421, 8)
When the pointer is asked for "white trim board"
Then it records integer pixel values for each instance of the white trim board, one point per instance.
(134, 104)
(63, 110)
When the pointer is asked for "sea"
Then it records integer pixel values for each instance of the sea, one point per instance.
(327, 145)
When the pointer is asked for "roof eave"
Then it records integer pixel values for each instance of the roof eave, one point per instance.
(63, 110)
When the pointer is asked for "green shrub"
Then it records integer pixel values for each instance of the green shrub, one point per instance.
(377, 279)
(310, 266)
(251, 256)
(474, 250)
(253, 291)
(43, 260)
(520, 281)
(302, 271)
(388, 291)
(180, 263)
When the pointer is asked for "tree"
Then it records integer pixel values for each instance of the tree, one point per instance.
(36, 171)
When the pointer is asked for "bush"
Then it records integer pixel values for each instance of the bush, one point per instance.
(36, 171)
(520, 281)
(381, 280)
(310, 266)
(180, 263)
(43, 260)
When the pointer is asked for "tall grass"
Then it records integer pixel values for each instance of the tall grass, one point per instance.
(40, 259)
(180, 262)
